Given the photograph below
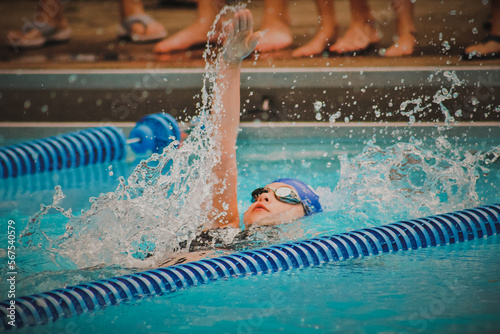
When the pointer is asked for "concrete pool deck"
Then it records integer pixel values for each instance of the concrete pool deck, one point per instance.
(95, 77)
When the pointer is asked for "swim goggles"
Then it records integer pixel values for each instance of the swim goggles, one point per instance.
(282, 194)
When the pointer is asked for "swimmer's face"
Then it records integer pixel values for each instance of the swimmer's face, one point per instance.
(267, 210)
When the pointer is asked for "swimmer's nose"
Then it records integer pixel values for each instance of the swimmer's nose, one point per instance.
(264, 197)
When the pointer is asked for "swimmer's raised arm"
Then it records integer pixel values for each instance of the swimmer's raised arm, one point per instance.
(241, 41)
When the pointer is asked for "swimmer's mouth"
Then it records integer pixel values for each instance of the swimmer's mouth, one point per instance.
(261, 207)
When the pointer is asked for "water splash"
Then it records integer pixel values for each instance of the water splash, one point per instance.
(407, 180)
(160, 207)
(33, 235)
(423, 104)
(411, 112)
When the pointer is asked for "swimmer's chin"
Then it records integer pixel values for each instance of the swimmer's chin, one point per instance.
(272, 219)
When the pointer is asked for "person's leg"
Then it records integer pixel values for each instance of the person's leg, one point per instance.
(145, 30)
(407, 40)
(362, 31)
(48, 24)
(276, 25)
(491, 45)
(326, 32)
(197, 32)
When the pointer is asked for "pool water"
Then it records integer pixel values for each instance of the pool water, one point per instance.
(367, 176)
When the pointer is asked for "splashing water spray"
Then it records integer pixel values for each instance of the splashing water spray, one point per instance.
(411, 179)
(162, 205)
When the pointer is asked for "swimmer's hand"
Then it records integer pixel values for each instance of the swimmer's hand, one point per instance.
(241, 39)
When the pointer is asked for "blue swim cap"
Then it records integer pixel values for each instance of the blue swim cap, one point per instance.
(306, 194)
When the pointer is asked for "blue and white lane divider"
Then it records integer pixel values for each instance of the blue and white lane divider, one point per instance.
(440, 230)
(87, 147)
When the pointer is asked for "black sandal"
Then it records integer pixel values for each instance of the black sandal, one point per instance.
(474, 56)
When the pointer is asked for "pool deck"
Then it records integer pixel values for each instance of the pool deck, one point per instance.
(105, 63)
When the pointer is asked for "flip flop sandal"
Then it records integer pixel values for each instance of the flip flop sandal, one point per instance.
(125, 29)
(49, 34)
(474, 56)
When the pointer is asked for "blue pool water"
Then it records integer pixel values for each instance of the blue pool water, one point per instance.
(367, 176)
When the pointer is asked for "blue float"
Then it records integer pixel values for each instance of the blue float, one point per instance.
(90, 146)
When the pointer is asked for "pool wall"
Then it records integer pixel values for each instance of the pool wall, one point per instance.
(440, 230)
(367, 94)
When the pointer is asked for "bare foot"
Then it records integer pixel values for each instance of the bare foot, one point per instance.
(193, 35)
(277, 35)
(405, 46)
(318, 44)
(483, 49)
(358, 37)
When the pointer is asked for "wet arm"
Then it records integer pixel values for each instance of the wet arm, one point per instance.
(240, 42)
(225, 200)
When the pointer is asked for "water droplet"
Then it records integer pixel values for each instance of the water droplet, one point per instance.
(318, 105)
(334, 117)
(475, 31)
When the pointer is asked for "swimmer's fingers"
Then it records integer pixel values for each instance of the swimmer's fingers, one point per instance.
(241, 40)
(242, 17)
(246, 25)
(240, 25)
